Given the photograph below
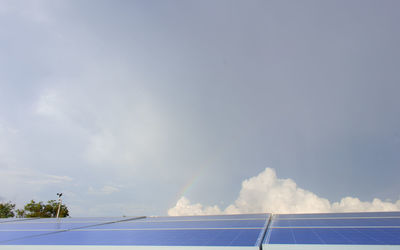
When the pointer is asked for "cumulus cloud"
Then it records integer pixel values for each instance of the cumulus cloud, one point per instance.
(267, 193)
(351, 204)
(184, 207)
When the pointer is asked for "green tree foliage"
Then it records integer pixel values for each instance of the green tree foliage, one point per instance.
(39, 209)
(7, 210)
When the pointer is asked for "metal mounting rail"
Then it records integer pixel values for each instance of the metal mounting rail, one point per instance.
(260, 239)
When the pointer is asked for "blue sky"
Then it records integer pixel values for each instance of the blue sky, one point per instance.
(126, 106)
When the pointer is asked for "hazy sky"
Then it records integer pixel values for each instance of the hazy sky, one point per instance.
(126, 106)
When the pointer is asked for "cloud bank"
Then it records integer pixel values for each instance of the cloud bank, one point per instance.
(267, 193)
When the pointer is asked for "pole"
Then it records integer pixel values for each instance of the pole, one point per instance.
(59, 204)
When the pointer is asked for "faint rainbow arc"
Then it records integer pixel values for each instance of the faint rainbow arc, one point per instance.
(189, 184)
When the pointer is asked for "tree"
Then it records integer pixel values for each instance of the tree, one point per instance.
(41, 210)
(7, 210)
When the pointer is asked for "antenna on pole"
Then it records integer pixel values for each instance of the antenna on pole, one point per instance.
(59, 204)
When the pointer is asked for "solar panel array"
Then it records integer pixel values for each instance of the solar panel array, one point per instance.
(341, 230)
(245, 231)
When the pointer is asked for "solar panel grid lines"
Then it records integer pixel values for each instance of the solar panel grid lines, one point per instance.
(98, 247)
(333, 236)
(159, 229)
(60, 230)
(202, 220)
(196, 224)
(220, 225)
(379, 229)
(211, 231)
(51, 224)
(328, 247)
(237, 238)
(259, 216)
(334, 227)
(255, 231)
(378, 222)
(339, 215)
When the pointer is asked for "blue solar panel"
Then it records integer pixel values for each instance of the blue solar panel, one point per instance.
(210, 217)
(236, 237)
(27, 228)
(378, 228)
(346, 236)
(353, 222)
(38, 225)
(257, 231)
(337, 215)
(146, 224)
(231, 230)
(10, 220)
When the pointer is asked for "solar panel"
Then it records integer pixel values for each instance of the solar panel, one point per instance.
(28, 228)
(9, 220)
(337, 215)
(211, 217)
(378, 230)
(237, 231)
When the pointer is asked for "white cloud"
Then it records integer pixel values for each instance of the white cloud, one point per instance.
(184, 207)
(350, 204)
(267, 193)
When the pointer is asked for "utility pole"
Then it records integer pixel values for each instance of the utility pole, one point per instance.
(59, 204)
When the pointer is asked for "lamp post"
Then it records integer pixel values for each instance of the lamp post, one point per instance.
(59, 204)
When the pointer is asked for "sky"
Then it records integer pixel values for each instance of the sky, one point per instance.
(199, 107)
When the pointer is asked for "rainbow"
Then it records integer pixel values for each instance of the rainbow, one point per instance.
(189, 184)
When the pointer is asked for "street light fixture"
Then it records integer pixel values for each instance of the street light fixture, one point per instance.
(59, 204)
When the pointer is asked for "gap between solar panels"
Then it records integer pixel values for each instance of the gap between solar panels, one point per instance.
(266, 229)
(72, 229)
